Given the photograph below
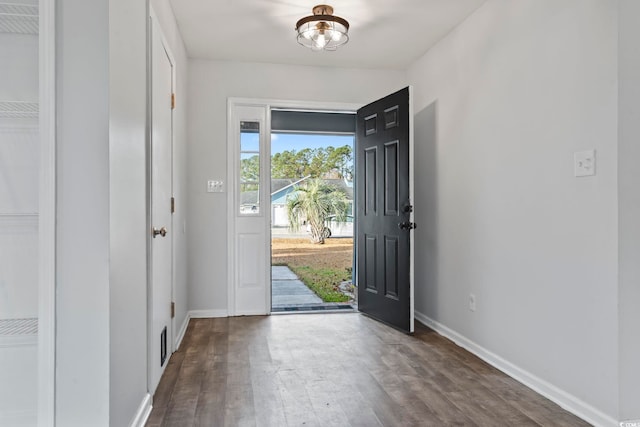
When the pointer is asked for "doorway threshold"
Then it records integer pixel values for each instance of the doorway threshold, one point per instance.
(313, 308)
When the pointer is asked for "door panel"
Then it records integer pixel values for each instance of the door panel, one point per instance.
(161, 191)
(249, 202)
(384, 212)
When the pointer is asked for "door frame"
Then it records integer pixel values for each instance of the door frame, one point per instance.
(232, 173)
(155, 22)
(47, 214)
(412, 197)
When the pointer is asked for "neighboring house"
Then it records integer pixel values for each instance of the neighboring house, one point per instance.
(249, 201)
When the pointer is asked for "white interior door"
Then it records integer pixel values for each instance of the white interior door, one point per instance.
(160, 234)
(249, 211)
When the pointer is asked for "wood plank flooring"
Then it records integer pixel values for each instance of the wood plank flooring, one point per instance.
(336, 370)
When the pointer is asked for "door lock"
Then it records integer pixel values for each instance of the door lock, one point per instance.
(407, 225)
(162, 232)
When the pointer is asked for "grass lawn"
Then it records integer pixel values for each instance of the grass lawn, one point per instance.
(321, 267)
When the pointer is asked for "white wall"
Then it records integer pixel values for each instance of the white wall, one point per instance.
(210, 84)
(127, 208)
(502, 103)
(170, 30)
(102, 208)
(82, 247)
(629, 193)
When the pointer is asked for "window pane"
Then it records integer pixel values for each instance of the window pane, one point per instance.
(249, 168)
(249, 198)
(250, 136)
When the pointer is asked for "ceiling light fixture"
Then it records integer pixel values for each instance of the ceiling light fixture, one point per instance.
(322, 30)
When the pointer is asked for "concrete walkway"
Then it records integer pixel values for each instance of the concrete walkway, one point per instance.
(287, 290)
(290, 294)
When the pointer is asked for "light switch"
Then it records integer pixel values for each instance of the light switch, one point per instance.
(584, 163)
(215, 186)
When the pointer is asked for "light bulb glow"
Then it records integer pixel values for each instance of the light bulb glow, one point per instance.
(321, 41)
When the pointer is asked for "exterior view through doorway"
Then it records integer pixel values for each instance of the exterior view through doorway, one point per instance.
(383, 152)
(312, 206)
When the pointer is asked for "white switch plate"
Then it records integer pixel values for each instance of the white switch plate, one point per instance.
(214, 186)
(584, 163)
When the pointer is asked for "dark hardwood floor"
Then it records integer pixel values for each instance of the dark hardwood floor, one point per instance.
(336, 370)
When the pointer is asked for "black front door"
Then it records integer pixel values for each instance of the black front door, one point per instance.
(383, 249)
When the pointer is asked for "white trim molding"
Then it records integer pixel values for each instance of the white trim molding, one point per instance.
(47, 215)
(143, 412)
(205, 314)
(182, 331)
(565, 400)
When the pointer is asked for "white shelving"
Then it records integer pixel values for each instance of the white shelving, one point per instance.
(18, 332)
(18, 110)
(19, 206)
(18, 18)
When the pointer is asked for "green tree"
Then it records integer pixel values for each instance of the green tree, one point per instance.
(315, 202)
(250, 172)
(329, 162)
(341, 160)
(284, 165)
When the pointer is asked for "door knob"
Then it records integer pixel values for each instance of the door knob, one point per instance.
(407, 225)
(162, 232)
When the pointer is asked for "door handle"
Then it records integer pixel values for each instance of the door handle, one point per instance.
(162, 232)
(407, 225)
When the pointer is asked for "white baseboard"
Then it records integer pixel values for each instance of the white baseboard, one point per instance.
(203, 314)
(251, 313)
(565, 400)
(182, 331)
(143, 412)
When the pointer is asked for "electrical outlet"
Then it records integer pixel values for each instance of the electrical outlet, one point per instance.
(584, 163)
(472, 302)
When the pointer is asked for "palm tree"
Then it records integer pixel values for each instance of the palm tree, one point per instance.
(315, 202)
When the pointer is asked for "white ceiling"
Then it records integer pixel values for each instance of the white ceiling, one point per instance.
(383, 33)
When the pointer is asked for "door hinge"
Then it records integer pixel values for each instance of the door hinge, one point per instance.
(173, 205)
(173, 101)
(173, 310)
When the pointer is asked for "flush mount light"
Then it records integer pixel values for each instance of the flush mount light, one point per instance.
(322, 30)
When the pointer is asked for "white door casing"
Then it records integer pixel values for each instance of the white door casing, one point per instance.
(161, 230)
(47, 217)
(249, 266)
